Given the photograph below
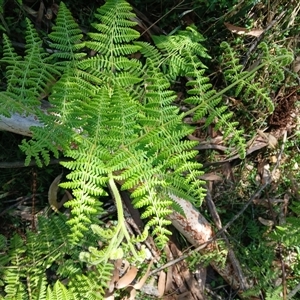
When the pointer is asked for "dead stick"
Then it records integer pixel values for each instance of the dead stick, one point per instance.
(235, 263)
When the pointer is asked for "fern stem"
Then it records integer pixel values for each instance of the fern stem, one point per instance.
(121, 220)
(217, 95)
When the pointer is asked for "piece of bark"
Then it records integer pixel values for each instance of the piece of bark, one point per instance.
(19, 124)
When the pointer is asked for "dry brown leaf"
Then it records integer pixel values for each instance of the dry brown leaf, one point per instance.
(254, 32)
(273, 159)
(265, 222)
(114, 278)
(115, 275)
(142, 281)
(127, 278)
(161, 283)
(132, 294)
(236, 29)
(243, 30)
(211, 177)
(169, 279)
(271, 139)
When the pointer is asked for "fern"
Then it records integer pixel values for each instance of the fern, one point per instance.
(183, 56)
(247, 80)
(26, 80)
(113, 116)
(66, 38)
(60, 292)
(126, 139)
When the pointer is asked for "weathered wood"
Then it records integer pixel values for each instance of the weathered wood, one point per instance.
(19, 124)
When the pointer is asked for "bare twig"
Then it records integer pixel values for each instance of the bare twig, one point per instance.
(292, 293)
(234, 261)
(259, 39)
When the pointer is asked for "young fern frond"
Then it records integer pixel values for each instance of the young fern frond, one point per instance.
(115, 31)
(246, 80)
(175, 48)
(275, 70)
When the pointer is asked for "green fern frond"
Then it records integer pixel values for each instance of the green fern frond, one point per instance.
(248, 80)
(66, 115)
(150, 52)
(60, 292)
(29, 77)
(15, 288)
(114, 30)
(41, 290)
(66, 38)
(284, 57)
(175, 48)
(185, 52)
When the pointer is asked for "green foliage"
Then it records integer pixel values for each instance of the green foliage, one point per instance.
(25, 267)
(249, 88)
(27, 77)
(113, 116)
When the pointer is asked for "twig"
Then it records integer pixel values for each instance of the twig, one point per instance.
(234, 261)
(20, 201)
(292, 293)
(259, 39)
(162, 17)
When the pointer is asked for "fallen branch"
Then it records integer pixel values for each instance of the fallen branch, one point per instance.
(197, 230)
(19, 124)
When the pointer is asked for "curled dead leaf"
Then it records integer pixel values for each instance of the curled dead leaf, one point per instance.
(127, 278)
(265, 222)
(243, 30)
(52, 193)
